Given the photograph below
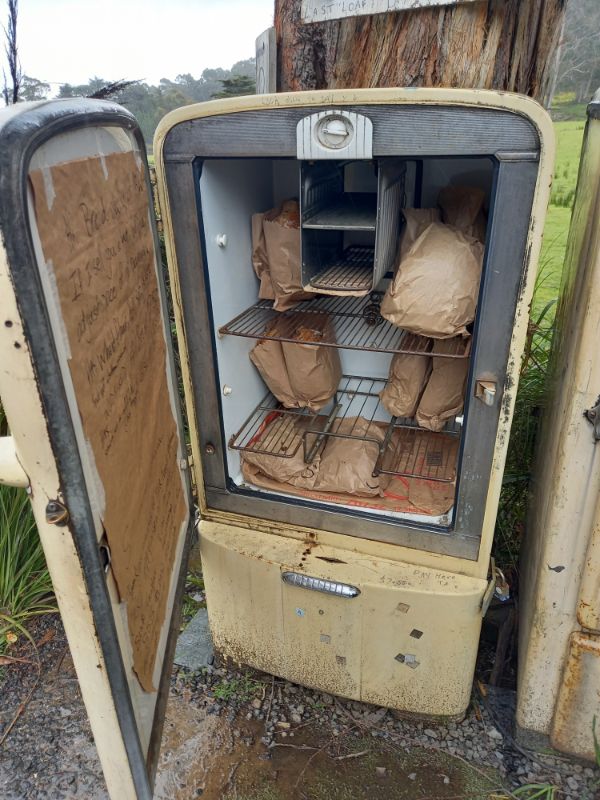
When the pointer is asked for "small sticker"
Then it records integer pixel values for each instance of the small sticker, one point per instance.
(325, 638)
(300, 612)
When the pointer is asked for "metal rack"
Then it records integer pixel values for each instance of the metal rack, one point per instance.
(352, 211)
(415, 452)
(406, 449)
(356, 325)
(352, 271)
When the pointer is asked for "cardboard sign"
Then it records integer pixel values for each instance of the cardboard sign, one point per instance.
(323, 10)
(93, 220)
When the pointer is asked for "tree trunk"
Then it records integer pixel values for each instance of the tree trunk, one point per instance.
(489, 44)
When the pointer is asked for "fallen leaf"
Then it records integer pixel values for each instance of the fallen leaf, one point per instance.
(6, 660)
(47, 637)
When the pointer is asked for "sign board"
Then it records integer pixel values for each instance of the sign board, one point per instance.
(324, 10)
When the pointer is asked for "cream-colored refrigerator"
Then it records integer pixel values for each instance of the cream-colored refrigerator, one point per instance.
(376, 596)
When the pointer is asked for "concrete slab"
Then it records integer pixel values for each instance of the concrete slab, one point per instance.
(194, 647)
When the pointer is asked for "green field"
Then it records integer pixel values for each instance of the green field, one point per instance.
(569, 136)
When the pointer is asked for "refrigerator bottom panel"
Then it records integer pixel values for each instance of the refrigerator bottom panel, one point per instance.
(369, 629)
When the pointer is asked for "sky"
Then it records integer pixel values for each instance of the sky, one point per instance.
(70, 41)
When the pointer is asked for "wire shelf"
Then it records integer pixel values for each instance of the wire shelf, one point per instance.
(356, 325)
(353, 211)
(414, 452)
(405, 449)
(350, 272)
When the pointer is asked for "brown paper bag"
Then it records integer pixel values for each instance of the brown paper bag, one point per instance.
(347, 464)
(435, 290)
(444, 394)
(314, 371)
(431, 497)
(281, 228)
(284, 434)
(267, 357)
(462, 207)
(260, 261)
(417, 219)
(406, 381)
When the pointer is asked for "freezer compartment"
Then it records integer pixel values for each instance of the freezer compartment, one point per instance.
(351, 219)
(374, 634)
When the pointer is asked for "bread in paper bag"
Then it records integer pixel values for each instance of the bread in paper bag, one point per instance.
(314, 370)
(281, 228)
(267, 357)
(444, 394)
(434, 293)
(260, 261)
(347, 464)
(462, 207)
(281, 435)
(416, 219)
(406, 380)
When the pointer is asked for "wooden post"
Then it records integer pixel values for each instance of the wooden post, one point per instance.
(488, 44)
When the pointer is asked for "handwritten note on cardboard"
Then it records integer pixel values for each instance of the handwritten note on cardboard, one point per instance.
(97, 241)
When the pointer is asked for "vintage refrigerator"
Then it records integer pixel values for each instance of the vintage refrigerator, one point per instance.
(371, 598)
(559, 628)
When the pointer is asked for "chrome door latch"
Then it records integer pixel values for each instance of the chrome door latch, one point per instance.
(593, 416)
(486, 392)
(57, 513)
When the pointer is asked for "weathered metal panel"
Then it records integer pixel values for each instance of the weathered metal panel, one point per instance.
(588, 607)
(408, 640)
(266, 62)
(567, 474)
(579, 698)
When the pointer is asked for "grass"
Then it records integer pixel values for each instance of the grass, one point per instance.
(536, 791)
(240, 689)
(25, 585)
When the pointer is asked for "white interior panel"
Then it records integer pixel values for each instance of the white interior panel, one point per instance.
(231, 190)
(441, 172)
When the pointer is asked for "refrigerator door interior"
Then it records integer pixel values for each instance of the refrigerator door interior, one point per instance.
(89, 391)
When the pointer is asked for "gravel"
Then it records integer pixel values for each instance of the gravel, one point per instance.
(49, 753)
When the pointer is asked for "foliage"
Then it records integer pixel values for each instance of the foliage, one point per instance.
(536, 791)
(25, 586)
(239, 689)
(579, 69)
(33, 89)
(236, 86)
(150, 103)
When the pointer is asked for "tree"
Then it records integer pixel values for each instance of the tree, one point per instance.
(33, 89)
(236, 86)
(579, 69)
(12, 82)
(500, 44)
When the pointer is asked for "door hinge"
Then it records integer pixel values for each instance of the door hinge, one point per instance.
(497, 587)
(593, 416)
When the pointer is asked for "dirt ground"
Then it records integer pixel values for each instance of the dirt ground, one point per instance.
(237, 734)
